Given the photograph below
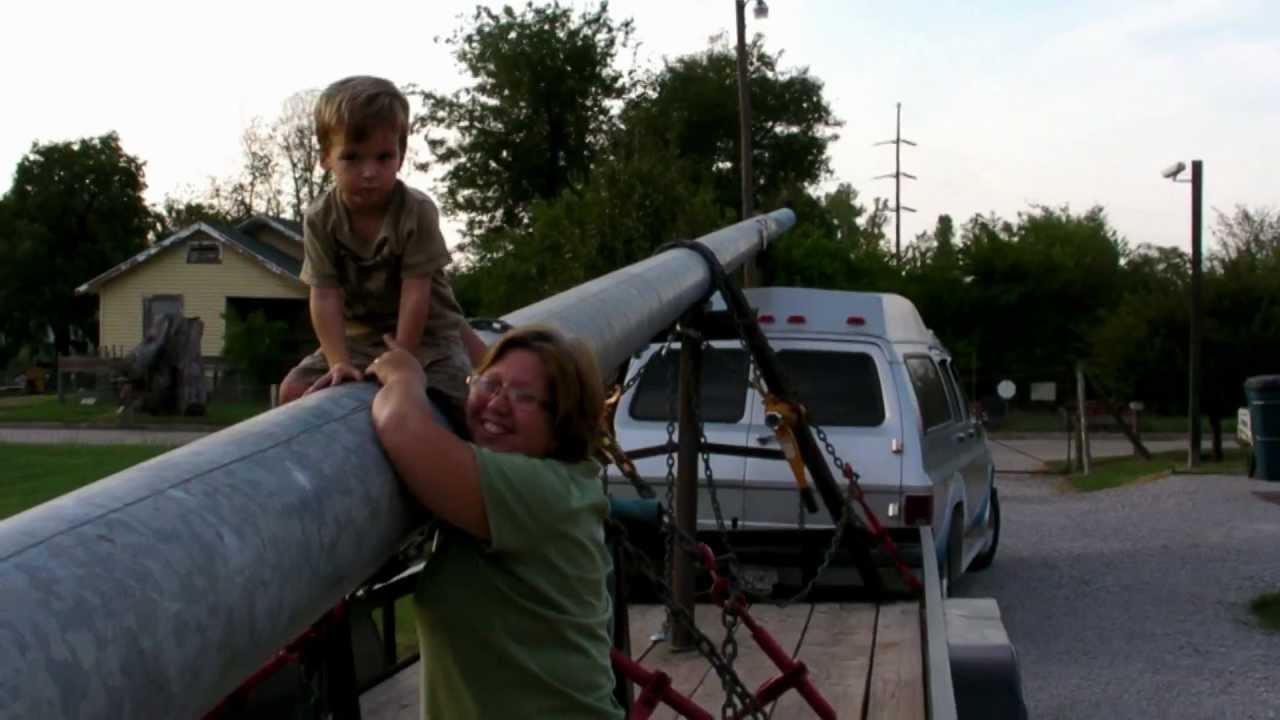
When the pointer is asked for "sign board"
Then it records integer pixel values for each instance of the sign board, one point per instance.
(1044, 392)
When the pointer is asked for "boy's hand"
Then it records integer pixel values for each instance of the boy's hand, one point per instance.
(338, 374)
(397, 365)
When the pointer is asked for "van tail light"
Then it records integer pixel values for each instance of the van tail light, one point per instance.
(765, 319)
(855, 320)
(917, 509)
(795, 319)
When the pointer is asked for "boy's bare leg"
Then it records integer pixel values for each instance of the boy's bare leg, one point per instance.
(293, 387)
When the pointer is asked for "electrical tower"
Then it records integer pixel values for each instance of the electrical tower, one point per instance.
(898, 141)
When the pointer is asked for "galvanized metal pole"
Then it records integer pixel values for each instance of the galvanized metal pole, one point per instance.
(1197, 312)
(156, 591)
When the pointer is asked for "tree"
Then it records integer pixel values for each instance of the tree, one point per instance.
(293, 134)
(535, 118)
(75, 210)
(691, 105)
(280, 172)
(633, 203)
(178, 213)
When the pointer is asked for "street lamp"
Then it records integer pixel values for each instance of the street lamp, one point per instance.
(1197, 310)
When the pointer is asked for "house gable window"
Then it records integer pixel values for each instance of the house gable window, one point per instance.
(204, 252)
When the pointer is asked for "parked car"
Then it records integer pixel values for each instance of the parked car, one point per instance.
(883, 388)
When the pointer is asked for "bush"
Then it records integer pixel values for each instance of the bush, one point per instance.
(258, 346)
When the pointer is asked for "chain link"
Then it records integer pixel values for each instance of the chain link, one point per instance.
(739, 700)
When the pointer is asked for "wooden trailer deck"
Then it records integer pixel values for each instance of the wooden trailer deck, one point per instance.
(866, 660)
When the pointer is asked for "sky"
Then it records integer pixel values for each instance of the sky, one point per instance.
(1011, 104)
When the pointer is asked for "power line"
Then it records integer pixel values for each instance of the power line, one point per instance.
(898, 141)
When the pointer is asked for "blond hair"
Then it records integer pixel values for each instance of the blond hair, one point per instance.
(357, 106)
(574, 386)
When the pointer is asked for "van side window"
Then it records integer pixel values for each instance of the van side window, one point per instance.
(723, 390)
(953, 383)
(935, 409)
(836, 388)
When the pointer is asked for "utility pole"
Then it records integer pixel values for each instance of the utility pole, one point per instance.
(749, 268)
(1197, 312)
(1197, 307)
(898, 141)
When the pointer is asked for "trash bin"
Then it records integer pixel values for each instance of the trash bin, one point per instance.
(1263, 395)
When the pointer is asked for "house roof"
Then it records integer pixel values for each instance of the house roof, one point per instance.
(291, 228)
(273, 260)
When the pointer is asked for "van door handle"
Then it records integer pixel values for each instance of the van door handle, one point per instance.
(766, 439)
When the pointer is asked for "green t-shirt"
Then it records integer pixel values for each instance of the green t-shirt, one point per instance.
(520, 626)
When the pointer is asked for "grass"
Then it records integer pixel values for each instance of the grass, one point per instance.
(1266, 607)
(1116, 471)
(406, 627)
(47, 409)
(38, 473)
(1021, 421)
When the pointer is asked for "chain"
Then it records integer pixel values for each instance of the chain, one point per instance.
(669, 559)
(739, 700)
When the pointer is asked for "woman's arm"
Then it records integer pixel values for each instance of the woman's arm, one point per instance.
(439, 468)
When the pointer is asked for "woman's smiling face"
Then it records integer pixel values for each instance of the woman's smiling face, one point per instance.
(507, 406)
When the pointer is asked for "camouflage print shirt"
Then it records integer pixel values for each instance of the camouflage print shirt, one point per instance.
(370, 275)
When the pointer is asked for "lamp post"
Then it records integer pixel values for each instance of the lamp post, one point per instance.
(761, 11)
(1197, 309)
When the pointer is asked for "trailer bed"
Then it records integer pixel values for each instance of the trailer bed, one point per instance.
(866, 660)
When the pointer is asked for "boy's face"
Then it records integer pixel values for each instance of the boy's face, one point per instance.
(365, 171)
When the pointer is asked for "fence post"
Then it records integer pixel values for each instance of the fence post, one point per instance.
(273, 396)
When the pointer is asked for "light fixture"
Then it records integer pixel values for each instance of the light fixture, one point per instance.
(761, 10)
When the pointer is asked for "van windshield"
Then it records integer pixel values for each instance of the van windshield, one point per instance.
(837, 388)
(724, 387)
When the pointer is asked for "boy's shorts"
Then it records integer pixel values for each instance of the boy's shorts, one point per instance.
(446, 375)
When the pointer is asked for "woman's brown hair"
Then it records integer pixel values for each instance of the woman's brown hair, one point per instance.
(574, 386)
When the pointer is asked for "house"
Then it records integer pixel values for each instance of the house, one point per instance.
(201, 271)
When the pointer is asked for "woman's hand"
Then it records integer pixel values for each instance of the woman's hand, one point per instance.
(398, 366)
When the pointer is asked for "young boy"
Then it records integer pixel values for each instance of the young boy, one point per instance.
(374, 256)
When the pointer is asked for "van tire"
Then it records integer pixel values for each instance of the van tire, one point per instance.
(988, 556)
(949, 568)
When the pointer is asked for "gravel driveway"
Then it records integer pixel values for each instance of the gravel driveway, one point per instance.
(1133, 602)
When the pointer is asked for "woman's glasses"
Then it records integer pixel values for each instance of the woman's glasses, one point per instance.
(488, 387)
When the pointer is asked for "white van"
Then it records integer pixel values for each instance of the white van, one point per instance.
(883, 388)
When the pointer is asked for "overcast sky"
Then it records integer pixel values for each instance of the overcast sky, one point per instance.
(1011, 103)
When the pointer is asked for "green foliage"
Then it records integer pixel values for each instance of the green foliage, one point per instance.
(533, 122)
(177, 214)
(691, 107)
(257, 345)
(633, 204)
(75, 210)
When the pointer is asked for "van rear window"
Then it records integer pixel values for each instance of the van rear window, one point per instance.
(837, 388)
(724, 387)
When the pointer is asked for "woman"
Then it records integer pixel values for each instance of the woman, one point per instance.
(512, 608)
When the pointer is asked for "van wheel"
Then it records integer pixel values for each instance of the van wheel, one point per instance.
(950, 569)
(986, 557)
